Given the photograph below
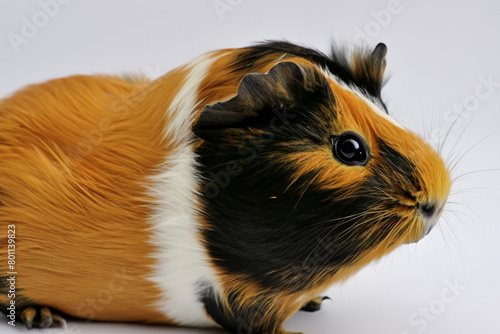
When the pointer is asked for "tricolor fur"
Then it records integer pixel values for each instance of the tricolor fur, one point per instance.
(209, 196)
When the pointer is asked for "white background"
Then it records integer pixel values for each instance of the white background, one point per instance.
(441, 56)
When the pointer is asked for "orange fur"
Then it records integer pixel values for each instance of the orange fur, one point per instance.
(65, 145)
(62, 156)
(84, 245)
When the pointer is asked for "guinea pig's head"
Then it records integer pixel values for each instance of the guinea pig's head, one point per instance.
(304, 168)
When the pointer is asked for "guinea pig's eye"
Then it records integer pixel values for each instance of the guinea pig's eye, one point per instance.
(350, 149)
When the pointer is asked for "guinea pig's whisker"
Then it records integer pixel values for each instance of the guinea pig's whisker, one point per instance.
(469, 206)
(455, 122)
(466, 214)
(453, 237)
(454, 160)
(357, 219)
(459, 158)
(427, 132)
(347, 219)
(459, 214)
(459, 177)
(477, 192)
(376, 220)
(304, 190)
(344, 220)
(361, 222)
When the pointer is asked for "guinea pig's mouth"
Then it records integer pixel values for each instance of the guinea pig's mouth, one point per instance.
(429, 214)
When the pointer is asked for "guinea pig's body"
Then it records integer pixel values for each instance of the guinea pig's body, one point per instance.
(231, 191)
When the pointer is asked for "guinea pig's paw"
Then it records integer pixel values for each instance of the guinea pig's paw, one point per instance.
(41, 317)
(314, 304)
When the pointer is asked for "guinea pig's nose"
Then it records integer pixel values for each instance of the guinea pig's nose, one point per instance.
(431, 212)
(428, 209)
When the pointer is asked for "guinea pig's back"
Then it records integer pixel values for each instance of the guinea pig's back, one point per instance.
(76, 156)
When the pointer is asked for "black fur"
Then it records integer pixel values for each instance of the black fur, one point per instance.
(212, 306)
(401, 164)
(251, 232)
(279, 235)
(247, 321)
(338, 63)
(270, 102)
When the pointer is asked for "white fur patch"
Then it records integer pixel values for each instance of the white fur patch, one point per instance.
(182, 260)
(378, 109)
(184, 103)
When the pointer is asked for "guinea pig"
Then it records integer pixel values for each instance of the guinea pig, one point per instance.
(230, 192)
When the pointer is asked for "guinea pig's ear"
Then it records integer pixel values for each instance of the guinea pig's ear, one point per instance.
(369, 69)
(258, 95)
(378, 60)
